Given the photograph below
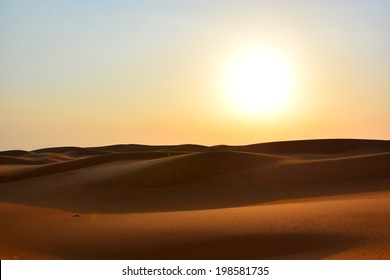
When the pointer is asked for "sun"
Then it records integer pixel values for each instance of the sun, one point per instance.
(259, 82)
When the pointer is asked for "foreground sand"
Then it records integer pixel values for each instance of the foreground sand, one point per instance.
(194, 202)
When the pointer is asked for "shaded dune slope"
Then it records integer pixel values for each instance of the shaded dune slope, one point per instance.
(335, 170)
(262, 169)
(82, 163)
(16, 160)
(35, 158)
(14, 153)
(71, 151)
(197, 166)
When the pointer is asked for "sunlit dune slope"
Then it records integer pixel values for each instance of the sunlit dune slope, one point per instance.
(348, 228)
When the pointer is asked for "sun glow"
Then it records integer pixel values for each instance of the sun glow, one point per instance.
(259, 82)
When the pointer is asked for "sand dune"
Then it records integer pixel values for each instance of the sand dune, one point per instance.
(320, 146)
(81, 163)
(334, 229)
(72, 151)
(147, 148)
(14, 153)
(35, 158)
(14, 160)
(263, 201)
(195, 166)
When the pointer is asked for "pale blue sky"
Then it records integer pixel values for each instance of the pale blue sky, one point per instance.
(102, 72)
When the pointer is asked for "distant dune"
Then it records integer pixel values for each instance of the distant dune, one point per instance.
(321, 146)
(307, 199)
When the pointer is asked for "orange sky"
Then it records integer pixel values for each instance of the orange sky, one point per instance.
(101, 73)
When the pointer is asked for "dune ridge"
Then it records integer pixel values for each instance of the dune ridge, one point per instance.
(320, 146)
(313, 146)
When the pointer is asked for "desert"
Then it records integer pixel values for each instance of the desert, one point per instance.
(304, 199)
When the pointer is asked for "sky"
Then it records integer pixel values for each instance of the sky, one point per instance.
(91, 73)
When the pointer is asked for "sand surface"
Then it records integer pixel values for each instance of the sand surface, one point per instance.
(317, 199)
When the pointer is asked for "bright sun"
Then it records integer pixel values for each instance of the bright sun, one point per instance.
(259, 82)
